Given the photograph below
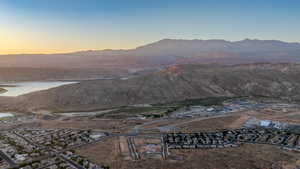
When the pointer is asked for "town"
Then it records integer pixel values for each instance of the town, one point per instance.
(152, 132)
(42, 148)
(232, 138)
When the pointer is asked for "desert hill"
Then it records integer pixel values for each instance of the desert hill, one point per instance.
(172, 84)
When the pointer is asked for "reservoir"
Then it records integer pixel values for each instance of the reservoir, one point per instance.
(20, 88)
(2, 115)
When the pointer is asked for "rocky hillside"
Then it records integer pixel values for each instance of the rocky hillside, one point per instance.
(173, 84)
(8, 74)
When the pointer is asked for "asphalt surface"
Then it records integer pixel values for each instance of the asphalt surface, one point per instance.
(7, 159)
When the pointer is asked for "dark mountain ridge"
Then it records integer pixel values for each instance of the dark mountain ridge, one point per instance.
(165, 52)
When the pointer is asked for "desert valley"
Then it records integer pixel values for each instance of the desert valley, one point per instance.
(157, 84)
(186, 112)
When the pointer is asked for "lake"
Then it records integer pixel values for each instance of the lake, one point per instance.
(2, 115)
(17, 89)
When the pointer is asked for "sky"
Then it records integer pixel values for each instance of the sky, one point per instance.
(58, 26)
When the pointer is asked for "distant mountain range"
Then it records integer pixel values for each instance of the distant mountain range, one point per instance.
(165, 52)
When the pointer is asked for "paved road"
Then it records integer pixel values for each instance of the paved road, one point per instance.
(71, 162)
(133, 151)
(7, 159)
(24, 138)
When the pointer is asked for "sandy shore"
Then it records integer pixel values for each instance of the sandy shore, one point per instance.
(2, 90)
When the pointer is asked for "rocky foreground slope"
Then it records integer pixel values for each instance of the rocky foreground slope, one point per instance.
(173, 84)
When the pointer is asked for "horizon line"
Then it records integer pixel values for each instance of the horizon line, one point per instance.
(115, 49)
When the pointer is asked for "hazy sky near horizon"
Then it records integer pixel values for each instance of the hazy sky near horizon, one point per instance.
(53, 26)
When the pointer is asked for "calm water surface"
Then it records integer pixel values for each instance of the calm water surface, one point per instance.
(28, 87)
(6, 115)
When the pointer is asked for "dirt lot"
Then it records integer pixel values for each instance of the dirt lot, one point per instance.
(285, 115)
(112, 125)
(246, 156)
(213, 124)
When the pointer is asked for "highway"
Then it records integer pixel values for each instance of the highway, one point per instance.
(7, 159)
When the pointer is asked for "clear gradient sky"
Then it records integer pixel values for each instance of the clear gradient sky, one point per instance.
(54, 26)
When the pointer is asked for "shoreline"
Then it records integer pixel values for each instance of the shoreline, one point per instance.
(6, 85)
(2, 90)
(21, 88)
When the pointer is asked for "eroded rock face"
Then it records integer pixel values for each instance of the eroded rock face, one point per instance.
(187, 82)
